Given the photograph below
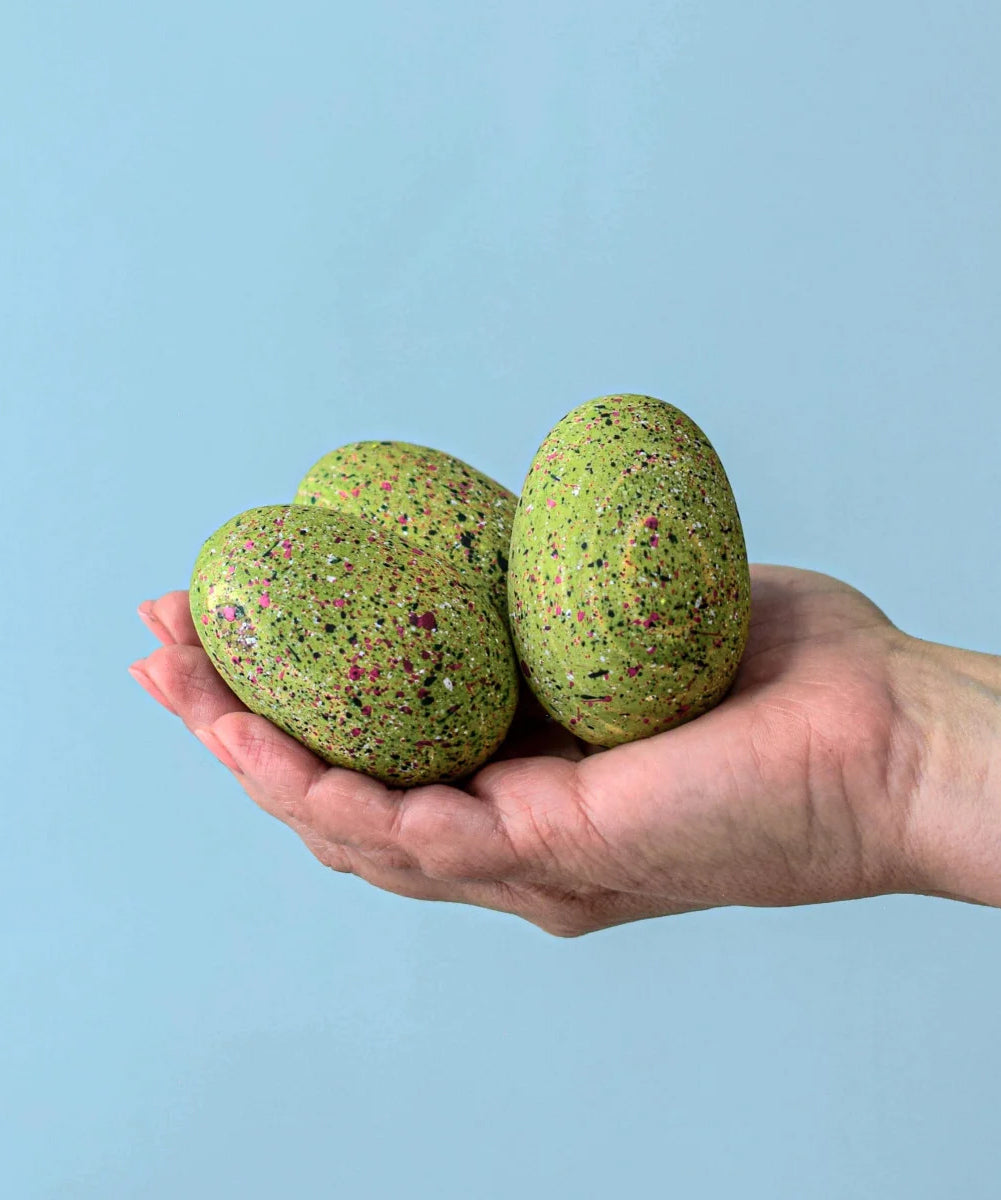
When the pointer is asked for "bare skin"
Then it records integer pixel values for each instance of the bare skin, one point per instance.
(839, 766)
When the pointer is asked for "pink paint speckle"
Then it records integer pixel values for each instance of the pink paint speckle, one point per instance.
(287, 547)
(633, 671)
(349, 566)
(386, 485)
(265, 601)
(650, 522)
(229, 613)
(356, 732)
(205, 619)
(550, 503)
(374, 674)
(248, 544)
(339, 602)
(355, 673)
(580, 615)
(366, 710)
(356, 492)
(655, 540)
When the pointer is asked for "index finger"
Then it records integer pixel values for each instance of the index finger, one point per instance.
(169, 619)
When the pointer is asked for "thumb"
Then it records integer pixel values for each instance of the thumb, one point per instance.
(698, 806)
(692, 768)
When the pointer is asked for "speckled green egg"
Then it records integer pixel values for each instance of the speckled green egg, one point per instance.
(368, 649)
(426, 497)
(629, 588)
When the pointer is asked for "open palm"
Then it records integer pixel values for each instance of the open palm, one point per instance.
(793, 790)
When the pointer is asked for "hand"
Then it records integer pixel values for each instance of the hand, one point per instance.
(804, 785)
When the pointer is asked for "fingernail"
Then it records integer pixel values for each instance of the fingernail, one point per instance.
(144, 681)
(211, 742)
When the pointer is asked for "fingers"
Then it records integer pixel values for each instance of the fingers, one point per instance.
(444, 832)
(169, 619)
(499, 842)
(555, 911)
(384, 866)
(409, 882)
(430, 843)
(189, 685)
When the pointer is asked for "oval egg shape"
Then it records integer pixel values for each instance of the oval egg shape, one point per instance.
(426, 497)
(370, 650)
(629, 587)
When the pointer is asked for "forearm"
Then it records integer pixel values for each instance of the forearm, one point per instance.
(951, 700)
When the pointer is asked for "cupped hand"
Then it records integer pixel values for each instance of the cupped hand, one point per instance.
(796, 789)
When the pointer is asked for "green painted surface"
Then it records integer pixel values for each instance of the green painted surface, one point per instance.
(629, 589)
(426, 497)
(367, 648)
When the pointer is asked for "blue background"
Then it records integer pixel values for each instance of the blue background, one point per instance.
(233, 237)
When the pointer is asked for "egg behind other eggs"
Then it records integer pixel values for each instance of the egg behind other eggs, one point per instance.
(629, 589)
(425, 497)
(372, 652)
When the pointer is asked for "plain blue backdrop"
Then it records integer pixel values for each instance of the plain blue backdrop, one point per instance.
(233, 237)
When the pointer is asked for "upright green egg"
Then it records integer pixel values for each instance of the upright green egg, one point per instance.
(370, 650)
(629, 588)
(425, 497)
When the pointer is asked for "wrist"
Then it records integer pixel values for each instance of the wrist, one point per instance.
(950, 699)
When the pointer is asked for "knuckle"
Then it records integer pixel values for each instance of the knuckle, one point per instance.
(425, 835)
(540, 826)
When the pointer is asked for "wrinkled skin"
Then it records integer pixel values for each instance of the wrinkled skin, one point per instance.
(798, 788)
